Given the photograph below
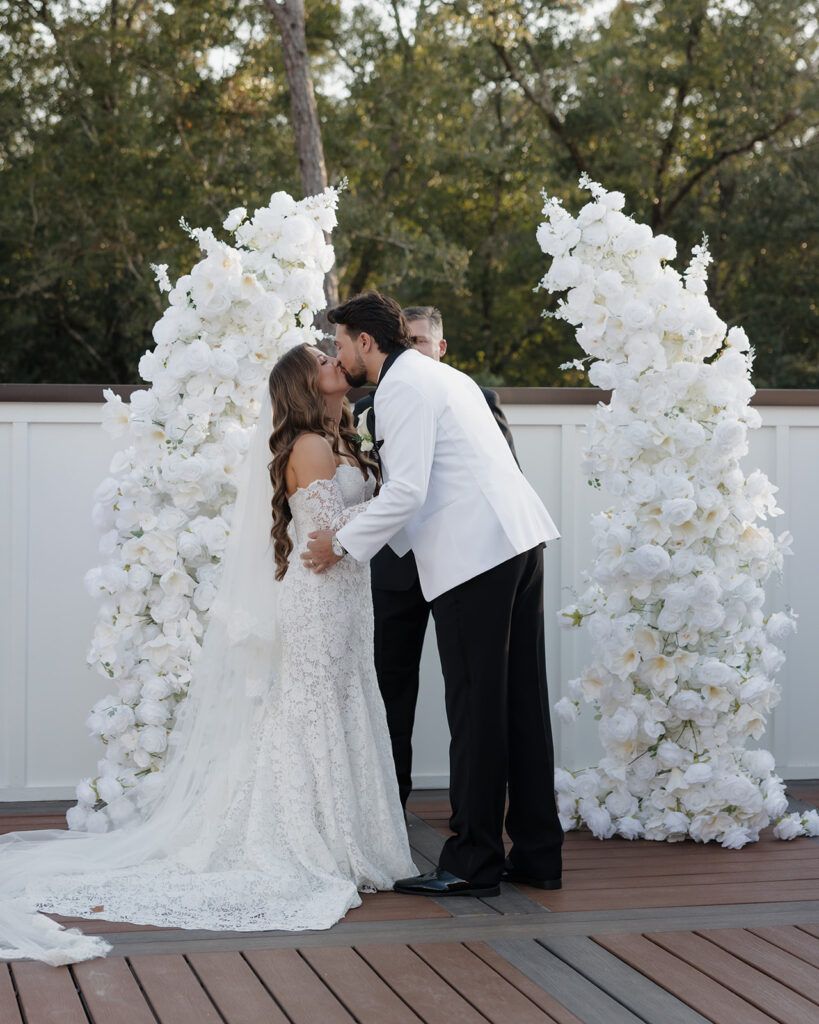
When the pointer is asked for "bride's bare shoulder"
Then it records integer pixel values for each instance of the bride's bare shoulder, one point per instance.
(311, 458)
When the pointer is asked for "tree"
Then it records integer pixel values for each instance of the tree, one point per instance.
(289, 16)
(447, 118)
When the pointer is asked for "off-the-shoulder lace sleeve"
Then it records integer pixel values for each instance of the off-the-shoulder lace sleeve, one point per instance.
(324, 502)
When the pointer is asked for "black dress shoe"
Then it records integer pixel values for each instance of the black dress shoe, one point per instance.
(443, 883)
(512, 874)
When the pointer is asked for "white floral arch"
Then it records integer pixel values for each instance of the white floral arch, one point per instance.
(165, 509)
(684, 655)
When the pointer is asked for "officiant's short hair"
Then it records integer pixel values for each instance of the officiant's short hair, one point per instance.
(378, 315)
(430, 313)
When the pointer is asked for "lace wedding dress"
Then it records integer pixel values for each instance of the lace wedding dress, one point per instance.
(288, 826)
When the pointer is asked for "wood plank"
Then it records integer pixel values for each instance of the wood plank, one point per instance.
(355, 984)
(578, 994)
(173, 990)
(539, 996)
(705, 860)
(602, 879)
(793, 940)
(236, 990)
(9, 1009)
(586, 853)
(47, 994)
(811, 929)
(671, 896)
(646, 999)
(489, 992)
(768, 995)
(97, 926)
(691, 986)
(111, 992)
(395, 906)
(768, 958)
(296, 987)
(513, 901)
(29, 823)
(419, 986)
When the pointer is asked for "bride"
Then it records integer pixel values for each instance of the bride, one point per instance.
(280, 803)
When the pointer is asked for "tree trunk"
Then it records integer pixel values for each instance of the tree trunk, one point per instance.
(289, 18)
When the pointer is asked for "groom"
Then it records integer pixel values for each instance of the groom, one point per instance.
(454, 494)
(400, 610)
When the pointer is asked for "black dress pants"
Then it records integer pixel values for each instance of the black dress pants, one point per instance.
(401, 618)
(491, 641)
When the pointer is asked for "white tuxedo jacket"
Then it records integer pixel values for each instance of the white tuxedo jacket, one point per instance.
(452, 490)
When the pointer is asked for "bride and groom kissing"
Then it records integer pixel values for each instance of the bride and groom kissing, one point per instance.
(280, 803)
(453, 495)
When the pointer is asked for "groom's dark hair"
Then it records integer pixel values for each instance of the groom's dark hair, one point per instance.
(378, 315)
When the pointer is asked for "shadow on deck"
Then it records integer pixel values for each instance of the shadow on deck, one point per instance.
(641, 932)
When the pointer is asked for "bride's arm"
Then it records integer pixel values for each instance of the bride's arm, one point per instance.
(312, 469)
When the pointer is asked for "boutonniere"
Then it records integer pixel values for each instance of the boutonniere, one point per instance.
(363, 438)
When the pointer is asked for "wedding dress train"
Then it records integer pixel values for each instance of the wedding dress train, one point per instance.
(281, 825)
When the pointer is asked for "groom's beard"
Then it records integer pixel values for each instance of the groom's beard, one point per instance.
(357, 377)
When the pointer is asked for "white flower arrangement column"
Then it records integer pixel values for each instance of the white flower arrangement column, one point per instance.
(684, 654)
(165, 509)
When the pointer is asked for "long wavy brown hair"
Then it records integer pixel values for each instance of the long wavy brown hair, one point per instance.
(298, 408)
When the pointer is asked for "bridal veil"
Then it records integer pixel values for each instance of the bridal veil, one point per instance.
(208, 748)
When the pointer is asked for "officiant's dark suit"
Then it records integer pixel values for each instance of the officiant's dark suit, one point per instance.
(401, 614)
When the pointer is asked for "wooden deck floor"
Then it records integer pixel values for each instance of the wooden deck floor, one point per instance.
(641, 933)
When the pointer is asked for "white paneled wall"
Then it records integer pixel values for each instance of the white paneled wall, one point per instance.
(52, 456)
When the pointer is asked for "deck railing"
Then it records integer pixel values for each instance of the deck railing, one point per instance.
(53, 453)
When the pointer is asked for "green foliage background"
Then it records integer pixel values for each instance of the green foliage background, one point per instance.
(447, 119)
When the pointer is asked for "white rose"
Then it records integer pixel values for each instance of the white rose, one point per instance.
(115, 414)
(738, 339)
(567, 710)
(664, 247)
(597, 818)
(740, 791)
(810, 823)
(203, 596)
(788, 827)
(153, 739)
(708, 617)
(760, 763)
(117, 719)
(629, 828)
(587, 783)
(633, 238)
(707, 589)
(620, 803)
(779, 626)
(620, 726)
(176, 583)
(775, 802)
(669, 754)
(151, 712)
(730, 435)
(675, 822)
(234, 218)
(565, 272)
(595, 234)
(735, 838)
(754, 687)
(650, 561)
(677, 511)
